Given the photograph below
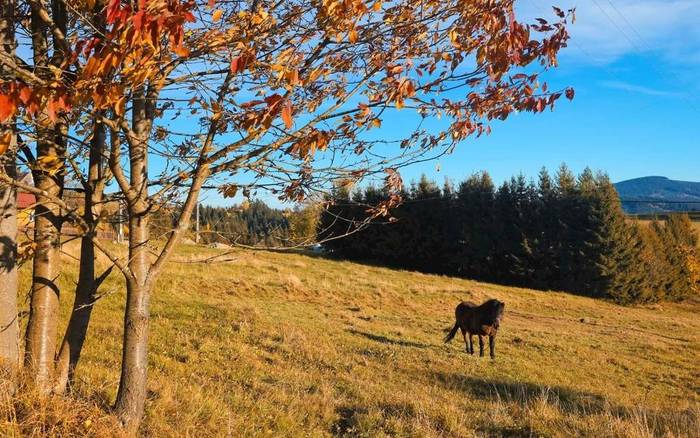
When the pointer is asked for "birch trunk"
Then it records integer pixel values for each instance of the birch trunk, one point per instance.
(9, 328)
(40, 347)
(134, 371)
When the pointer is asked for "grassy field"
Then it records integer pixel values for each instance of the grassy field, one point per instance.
(696, 224)
(272, 344)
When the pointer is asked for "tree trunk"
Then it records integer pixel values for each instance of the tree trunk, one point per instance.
(132, 385)
(9, 328)
(88, 284)
(131, 397)
(86, 289)
(134, 372)
(43, 313)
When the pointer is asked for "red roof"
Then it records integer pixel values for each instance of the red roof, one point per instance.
(25, 200)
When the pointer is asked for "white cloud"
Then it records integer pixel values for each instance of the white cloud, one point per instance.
(606, 30)
(632, 88)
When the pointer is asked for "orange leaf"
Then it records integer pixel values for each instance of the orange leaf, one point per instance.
(287, 114)
(25, 95)
(216, 16)
(51, 110)
(5, 140)
(239, 63)
(182, 51)
(7, 107)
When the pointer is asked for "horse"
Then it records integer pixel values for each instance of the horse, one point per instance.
(482, 320)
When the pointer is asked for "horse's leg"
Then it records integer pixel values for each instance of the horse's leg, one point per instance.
(464, 335)
(492, 346)
(471, 343)
(481, 346)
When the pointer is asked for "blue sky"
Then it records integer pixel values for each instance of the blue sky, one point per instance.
(634, 65)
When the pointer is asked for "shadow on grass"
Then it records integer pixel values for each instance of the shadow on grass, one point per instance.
(568, 400)
(346, 424)
(386, 340)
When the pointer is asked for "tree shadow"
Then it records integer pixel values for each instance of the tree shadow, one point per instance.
(566, 399)
(346, 424)
(386, 340)
(8, 254)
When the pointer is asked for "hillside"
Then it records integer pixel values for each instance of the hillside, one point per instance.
(671, 195)
(273, 344)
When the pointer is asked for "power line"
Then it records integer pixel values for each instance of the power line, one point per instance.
(627, 37)
(629, 24)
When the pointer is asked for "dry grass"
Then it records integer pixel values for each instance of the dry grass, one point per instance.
(695, 223)
(290, 345)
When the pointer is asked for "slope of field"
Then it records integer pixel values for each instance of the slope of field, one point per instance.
(272, 344)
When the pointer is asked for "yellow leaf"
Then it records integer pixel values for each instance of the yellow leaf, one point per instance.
(5, 140)
(229, 191)
(315, 73)
(50, 164)
(120, 106)
(216, 16)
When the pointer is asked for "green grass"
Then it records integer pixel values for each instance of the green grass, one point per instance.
(274, 344)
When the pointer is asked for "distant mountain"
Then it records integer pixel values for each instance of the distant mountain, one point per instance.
(658, 194)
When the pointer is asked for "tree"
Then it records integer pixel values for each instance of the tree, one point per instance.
(564, 232)
(477, 234)
(51, 133)
(280, 96)
(303, 223)
(546, 263)
(93, 184)
(9, 327)
(616, 249)
(681, 254)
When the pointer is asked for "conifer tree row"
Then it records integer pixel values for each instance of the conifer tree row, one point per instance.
(564, 232)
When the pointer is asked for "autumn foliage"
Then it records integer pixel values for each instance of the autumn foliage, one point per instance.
(166, 98)
(290, 59)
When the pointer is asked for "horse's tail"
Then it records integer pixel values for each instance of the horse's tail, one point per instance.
(452, 333)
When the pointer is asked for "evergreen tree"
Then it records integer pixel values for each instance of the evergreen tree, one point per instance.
(473, 218)
(545, 261)
(567, 233)
(617, 270)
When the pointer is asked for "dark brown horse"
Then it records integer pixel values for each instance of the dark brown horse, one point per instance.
(482, 320)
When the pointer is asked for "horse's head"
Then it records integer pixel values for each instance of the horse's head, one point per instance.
(495, 309)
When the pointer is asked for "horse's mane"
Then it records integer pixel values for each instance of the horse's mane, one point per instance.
(492, 311)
